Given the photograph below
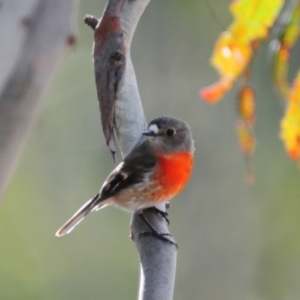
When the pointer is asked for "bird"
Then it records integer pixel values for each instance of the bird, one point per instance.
(155, 171)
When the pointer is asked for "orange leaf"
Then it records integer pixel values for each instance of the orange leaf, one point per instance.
(246, 138)
(247, 105)
(214, 92)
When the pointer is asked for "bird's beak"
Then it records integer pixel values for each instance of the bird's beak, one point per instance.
(149, 133)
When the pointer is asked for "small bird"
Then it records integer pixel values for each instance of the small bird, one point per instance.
(153, 172)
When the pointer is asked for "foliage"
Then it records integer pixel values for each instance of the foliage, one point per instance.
(233, 55)
(290, 124)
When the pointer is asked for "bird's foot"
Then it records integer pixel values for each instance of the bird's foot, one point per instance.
(155, 233)
(164, 214)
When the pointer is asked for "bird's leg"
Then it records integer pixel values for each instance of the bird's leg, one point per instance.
(154, 232)
(164, 214)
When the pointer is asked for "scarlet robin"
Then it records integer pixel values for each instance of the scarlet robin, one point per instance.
(154, 172)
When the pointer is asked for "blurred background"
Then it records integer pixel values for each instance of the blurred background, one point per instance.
(235, 241)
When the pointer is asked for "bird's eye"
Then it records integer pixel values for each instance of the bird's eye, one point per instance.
(170, 132)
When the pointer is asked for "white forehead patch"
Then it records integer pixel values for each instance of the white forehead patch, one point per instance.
(153, 128)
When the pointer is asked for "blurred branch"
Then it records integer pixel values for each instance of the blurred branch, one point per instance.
(35, 36)
(122, 111)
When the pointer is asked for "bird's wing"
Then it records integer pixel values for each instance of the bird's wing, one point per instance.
(131, 171)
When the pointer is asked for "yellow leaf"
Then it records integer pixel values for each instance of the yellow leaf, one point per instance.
(288, 38)
(235, 47)
(290, 124)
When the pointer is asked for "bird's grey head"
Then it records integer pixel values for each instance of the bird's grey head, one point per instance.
(170, 134)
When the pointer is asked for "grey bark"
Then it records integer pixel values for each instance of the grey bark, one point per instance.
(35, 36)
(157, 258)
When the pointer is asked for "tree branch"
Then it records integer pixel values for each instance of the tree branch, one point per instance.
(40, 33)
(122, 111)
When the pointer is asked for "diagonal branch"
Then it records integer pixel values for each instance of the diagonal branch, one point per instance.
(40, 33)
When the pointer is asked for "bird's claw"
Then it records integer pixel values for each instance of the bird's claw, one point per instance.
(162, 213)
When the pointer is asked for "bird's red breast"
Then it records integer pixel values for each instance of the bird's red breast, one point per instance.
(172, 175)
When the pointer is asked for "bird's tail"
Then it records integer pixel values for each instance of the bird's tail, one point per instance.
(79, 216)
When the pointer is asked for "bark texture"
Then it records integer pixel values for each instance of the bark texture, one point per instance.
(122, 112)
(35, 37)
